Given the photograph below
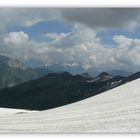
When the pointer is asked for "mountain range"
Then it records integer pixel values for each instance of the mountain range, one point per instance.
(56, 89)
(13, 72)
(40, 88)
(115, 72)
(120, 72)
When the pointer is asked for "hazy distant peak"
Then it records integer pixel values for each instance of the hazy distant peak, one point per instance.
(103, 74)
(11, 62)
(86, 75)
(15, 64)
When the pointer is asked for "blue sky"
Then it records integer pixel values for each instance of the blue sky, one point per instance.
(56, 26)
(37, 31)
(107, 35)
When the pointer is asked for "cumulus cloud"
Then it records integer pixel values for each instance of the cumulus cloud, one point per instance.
(124, 41)
(86, 53)
(100, 18)
(16, 38)
(128, 51)
(80, 34)
(79, 50)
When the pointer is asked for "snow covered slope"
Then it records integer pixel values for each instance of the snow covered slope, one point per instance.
(7, 111)
(117, 110)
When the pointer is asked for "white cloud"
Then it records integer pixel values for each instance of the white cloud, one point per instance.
(71, 65)
(84, 48)
(55, 37)
(128, 51)
(124, 41)
(78, 50)
(16, 38)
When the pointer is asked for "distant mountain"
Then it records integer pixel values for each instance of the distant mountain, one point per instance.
(95, 73)
(120, 72)
(86, 75)
(101, 77)
(12, 72)
(133, 76)
(112, 81)
(9, 62)
(103, 74)
(40, 89)
(56, 89)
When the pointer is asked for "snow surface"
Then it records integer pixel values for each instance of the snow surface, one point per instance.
(7, 111)
(117, 110)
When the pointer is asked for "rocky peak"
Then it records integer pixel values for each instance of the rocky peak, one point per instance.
(86, 75)
(103, 74)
